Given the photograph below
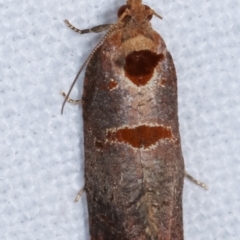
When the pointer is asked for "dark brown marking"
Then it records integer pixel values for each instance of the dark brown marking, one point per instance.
(99, 145)
(112, 84)
(106, 220)
(163, 82)
(141, 136)
(140, 65)
(109, 86)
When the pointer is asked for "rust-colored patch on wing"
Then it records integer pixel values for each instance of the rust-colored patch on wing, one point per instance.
(163, 82)
(112, 85)
(142, 136)
(139, 66)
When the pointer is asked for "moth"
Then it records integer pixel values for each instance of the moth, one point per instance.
(134, 168)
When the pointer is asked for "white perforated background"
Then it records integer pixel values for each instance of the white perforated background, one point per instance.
(41, 156)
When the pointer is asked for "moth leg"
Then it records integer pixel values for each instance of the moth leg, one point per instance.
(79, 194)
(96, 29)
(75, 102)
(192, 179)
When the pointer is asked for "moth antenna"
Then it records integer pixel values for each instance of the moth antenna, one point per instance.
(156, 14)
(192, 179)
(114, 26)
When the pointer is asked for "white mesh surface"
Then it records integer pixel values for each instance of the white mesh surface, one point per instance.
(41, 156)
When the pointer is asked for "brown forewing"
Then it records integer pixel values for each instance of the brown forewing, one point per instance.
(133, 160)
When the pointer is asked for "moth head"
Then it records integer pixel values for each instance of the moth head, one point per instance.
(135, 8)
